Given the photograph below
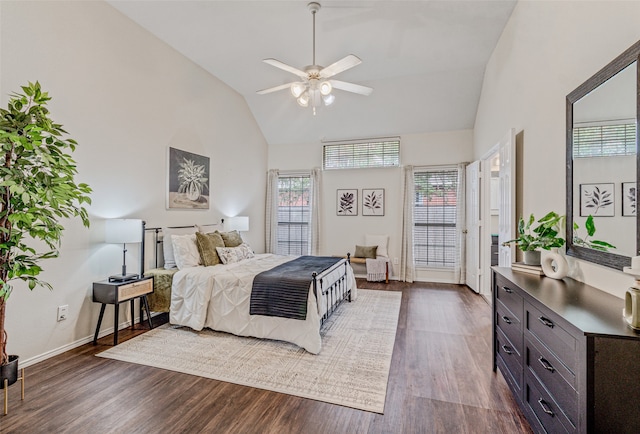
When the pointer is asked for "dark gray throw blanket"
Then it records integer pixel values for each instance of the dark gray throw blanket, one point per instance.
(283, 291)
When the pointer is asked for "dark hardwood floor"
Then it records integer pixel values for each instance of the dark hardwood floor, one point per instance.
(441, 381)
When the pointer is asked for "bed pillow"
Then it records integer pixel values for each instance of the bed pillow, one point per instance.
(382, 241)
(230, 255)
(365, 252)
(167, 245)
(185, 251)
(208, 229)
(231, 239)
(207, 244)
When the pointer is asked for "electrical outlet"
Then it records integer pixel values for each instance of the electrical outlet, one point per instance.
(395, 261)
(62, 312)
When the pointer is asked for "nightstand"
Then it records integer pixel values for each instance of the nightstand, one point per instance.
(107, 292)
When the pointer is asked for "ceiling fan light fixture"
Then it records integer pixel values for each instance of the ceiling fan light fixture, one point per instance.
(325, 88)
(303, 100)
(329, 99)
(297, 88)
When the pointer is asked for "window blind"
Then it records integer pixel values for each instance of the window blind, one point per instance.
(294, 215)
(355, 155)
(604, 140)
(434, 217)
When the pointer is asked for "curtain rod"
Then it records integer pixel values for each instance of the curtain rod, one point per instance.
(363, 140)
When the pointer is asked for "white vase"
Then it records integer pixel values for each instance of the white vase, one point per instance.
(554, 265)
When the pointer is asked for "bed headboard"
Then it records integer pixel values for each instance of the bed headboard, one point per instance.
(154, 236)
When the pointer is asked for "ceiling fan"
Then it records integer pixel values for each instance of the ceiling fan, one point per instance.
(316, 85)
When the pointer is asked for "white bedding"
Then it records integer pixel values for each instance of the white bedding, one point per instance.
(218, 297)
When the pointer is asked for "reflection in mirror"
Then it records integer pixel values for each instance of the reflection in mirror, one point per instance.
(602, 162)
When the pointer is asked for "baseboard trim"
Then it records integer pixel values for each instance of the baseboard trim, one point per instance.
(75, 344)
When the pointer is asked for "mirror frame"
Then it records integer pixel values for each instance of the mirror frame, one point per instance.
(608, 259)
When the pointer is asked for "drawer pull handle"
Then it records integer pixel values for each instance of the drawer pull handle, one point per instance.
(545, 407)
(546, 365)
(507, 349)
(546, 321)
(507, 289)
(506, 319)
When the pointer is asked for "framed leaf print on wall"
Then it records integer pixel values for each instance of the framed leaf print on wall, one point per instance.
(597, 200)
(187, 180)
(629, 199)
(347, 202)
(373, 201)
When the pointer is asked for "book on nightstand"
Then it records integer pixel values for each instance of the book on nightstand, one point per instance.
(521, 267)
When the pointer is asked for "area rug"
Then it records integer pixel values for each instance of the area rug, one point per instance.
(351, 370)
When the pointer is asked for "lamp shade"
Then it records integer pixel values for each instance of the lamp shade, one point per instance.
(238, 223)
(123, 231)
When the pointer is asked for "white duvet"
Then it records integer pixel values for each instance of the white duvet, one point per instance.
(218, 298)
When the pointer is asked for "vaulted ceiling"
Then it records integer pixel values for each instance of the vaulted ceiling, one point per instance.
(424, 59)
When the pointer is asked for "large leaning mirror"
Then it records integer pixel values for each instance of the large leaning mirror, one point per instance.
(602, 163)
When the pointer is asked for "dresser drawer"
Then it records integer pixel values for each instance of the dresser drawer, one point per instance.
(554, 376)
(511, 358)
(510, 297)
(553, 336)
(545, 409)
(136, 289)
(510, 325)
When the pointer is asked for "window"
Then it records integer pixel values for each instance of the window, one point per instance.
(434, 218)
(294, 215)
(356, 155)
(604, 140)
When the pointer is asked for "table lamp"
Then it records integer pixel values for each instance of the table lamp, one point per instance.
(238, 223)
(123, 231)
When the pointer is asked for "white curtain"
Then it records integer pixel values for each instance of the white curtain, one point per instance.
(460, 273)
(271, 225)
(407, 265)
(316, 188)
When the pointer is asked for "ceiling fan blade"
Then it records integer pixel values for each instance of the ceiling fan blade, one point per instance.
(274, 89)
(285, 67)
(351, 87)
(341, 65)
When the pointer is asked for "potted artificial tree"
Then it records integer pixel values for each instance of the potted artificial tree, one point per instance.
(544, 236)
(37, 190)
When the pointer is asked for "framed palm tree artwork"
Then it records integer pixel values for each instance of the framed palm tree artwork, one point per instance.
(187, 180)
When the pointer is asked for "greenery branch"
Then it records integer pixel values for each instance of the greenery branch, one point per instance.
(543, 236)
(37, 189)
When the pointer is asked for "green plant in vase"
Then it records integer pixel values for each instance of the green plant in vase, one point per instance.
(543, 236)
(590, 226)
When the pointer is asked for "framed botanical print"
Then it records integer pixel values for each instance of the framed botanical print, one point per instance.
(629, 199)
(347, 202)
(187, 180)
(373, 201)
(597, 200)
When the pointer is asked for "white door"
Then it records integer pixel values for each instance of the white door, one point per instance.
(473, 223)
(507, 205)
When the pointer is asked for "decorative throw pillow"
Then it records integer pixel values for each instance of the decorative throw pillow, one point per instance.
(207, 244)
(185, 251)
(365, 252)
(167, 245)
(230, 255)
(231, 239)
(382, 241)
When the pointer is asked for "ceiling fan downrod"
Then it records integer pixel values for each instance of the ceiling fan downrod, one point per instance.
(314, 7)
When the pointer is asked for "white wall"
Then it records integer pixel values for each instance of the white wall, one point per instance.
(546, 50)
(125, 97)
(340, 234)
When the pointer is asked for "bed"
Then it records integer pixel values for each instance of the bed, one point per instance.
(219, 297)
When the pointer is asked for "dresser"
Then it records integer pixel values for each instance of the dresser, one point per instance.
(566, 353)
